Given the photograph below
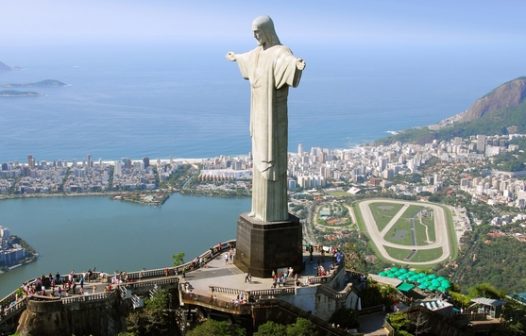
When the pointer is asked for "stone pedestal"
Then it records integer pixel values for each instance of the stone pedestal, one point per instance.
(265, 246)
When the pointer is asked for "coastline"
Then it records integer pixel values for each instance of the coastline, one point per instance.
(32, 255)
(115, 194)
(83, 194)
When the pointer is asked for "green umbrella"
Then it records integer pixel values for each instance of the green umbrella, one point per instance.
(422, 286)
(394, 269)
(403, 270)
(382, 273)
(435, 282)
(441, 279)
(403, 276)
(431, 276)
(411, 272)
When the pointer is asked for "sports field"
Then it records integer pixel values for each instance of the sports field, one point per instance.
(407, 232)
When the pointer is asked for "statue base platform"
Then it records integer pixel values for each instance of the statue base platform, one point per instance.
(262, 247)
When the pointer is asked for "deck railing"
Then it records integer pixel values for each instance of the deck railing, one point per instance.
(273, 292)
(88, 297)
(217, 303)
(186, 267)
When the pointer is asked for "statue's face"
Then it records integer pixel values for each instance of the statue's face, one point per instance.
(259, 37)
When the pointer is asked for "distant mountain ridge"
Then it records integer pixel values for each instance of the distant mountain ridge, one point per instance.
(501, 111)
(13, 93)
(509, 95)
(4, 67)
(46, 83)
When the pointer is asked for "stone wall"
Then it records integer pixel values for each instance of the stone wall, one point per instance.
(53, 317)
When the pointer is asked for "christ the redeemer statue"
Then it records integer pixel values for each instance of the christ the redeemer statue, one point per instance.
(271, 68)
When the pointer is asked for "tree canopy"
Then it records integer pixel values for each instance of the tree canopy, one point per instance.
(216, 328)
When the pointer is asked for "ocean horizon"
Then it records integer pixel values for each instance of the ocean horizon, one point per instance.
(131, 101)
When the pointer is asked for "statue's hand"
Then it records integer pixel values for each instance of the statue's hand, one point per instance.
(300, 64)
(231, 56)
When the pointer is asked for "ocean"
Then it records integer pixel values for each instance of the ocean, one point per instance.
(164, 101)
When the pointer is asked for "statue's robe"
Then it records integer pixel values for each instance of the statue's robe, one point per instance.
(270, 71)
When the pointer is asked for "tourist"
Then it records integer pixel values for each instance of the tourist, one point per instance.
(70, 276)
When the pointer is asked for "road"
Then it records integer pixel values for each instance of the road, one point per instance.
(378, 238)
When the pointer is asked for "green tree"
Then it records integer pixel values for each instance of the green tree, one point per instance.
(216, 328)
(271, 329)
(460, 299)
(515, 315)
(485, 290)
(400, 323)
(302, 327)
(155, 319)
(178, 258)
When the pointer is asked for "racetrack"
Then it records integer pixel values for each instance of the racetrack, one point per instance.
(378, 238)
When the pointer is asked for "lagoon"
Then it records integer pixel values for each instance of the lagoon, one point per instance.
(78, 233)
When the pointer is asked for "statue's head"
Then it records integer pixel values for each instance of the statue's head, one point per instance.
(264, 32)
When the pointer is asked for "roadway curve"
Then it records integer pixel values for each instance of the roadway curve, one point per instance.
(441, 231)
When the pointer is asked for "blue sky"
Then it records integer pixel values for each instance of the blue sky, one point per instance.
(32, 22)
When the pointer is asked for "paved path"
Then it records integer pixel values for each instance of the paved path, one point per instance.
(393, 220)
(378, 238)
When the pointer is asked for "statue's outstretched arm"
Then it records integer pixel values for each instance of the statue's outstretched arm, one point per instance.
(300, 64)
(231, 56)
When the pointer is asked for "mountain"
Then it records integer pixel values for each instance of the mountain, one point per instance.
(47, 83)
(501, 111)
(13, 93)
(507, 96)
(4, 67)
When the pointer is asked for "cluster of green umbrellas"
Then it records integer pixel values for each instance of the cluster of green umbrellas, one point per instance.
(429, 282)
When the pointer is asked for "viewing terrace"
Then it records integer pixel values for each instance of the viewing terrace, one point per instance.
(211, 281)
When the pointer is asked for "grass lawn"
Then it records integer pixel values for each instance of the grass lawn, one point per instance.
(383, 212)
(339, 193)
(401, 232)
(397, 253)
(427, 255)
(451, 233)
(419, 256)
(429, 221)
